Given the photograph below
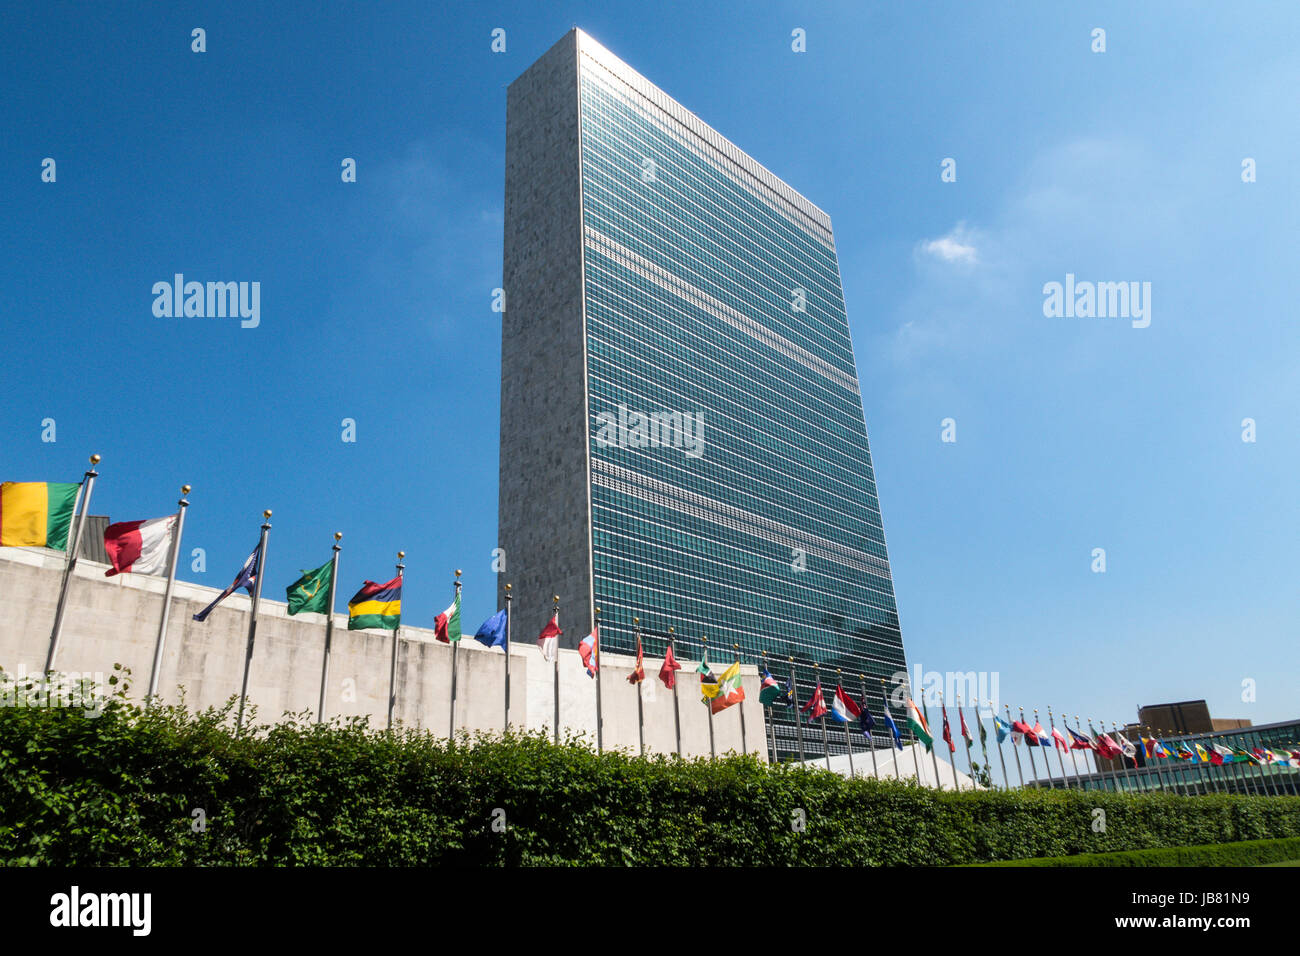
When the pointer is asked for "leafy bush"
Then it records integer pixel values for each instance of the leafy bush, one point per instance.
(164, 786)
(1245, 853)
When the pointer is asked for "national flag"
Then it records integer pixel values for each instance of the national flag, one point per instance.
(1184, 751)
(1200, 752)
(548, 642)
(1220, 755)
(1108, 748)
(866, 723)
(311, 592)
(1128, 748)
(1059, 740)
(1002, 728)
(984, 736)
(37, 514)
(246, 579)
(708, 681)
(730, 690)
(947, 731)
(668, 673)
(492, 632)
(816, 707)
(376, 605)
(1040, 735)
(446, 627)
(965, 732)
(1241, 753)
(771, 693)
(589, 651)
(141, 547)
(893, 727)
(1079, 741)
(1021, 731)
(638, 672)
(918, 725)
(844, 708)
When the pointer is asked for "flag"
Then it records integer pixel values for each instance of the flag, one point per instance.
(1002, 728)
(984, 736)
(893, 727)
(36, 514)
(865, 722)
(708, 682)
(1058, 738)
(638, 672)
(816, 707)
(1200, 752)
(1220, 755)
(965, 732)
(141, 547)
(771, 693)
(589, 651)
(311, 592)
(1040, 735)
(1108, 748)
(917, 724)
(492, 632)
(1021, 731)
(844, 709)
(376, 605)
(548, 642)
(668, 673)
(246, 579)
(1128, 748)
(730, 690)
(947, 731)
(446, 627)
(1080, 741)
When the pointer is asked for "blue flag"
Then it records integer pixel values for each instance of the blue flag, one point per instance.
(493, 631)
(893, 729)
(246, 579)
(1002, 727)
(865, 721)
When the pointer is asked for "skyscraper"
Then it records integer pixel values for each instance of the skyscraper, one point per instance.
(682, 431)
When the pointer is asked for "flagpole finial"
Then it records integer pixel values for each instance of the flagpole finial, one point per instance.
(597, 612)
(400, 554)
(338, 535)
(267, 514)
(672, 630)
(94, 460)
(509, 586)
(458, 572)
(185, 489)
(636, 620)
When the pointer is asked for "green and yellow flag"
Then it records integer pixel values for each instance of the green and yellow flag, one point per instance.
(311, 592)
(36, 514)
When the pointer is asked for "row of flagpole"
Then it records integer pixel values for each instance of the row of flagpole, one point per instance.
(252, 573)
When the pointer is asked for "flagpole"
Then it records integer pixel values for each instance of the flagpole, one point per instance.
(798, 719)
(329, 626)
(893, 744)
(839, 682)
(871, 734)
(969, 760)
(640, 711)
(826, 747)
(744, 747)
(506, 713)
(156, 673)
(1033, 764)
(1090, 753)
(1047, 761)
(252, 617)
(1173, 782)
(455, 646)
(1006, 778)
(1070, 744)
(952, 760)
(595, 659)
(1014, 752)
(392, 663)
(769, 714)
(934, 756)
(916, 758)
(1130, 775)
(80, 509)
(677, 713)
(1109, 768)
(1065, 780)
(1209, 772)
(555, 616)
(704, 659)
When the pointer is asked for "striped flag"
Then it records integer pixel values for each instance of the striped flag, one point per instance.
(446, 627)
(376, 605)
(917, 724)
(141, 547)
(589, 651)
(36, 514)
(730, 690)
(844, 708)
(246, 579)
(548, 642)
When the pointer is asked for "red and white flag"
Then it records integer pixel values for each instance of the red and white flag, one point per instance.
(141, 547)
(548, 642)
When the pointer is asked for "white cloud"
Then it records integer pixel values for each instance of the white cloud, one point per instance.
(957, 247)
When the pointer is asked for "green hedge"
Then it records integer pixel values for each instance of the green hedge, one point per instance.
(1245, 853)
(124, 788)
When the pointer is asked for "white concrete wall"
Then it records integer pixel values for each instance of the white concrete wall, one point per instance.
(115, 620)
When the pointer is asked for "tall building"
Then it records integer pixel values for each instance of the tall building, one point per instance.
(682, 432)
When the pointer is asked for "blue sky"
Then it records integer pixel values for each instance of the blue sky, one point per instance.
(1072, 434)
